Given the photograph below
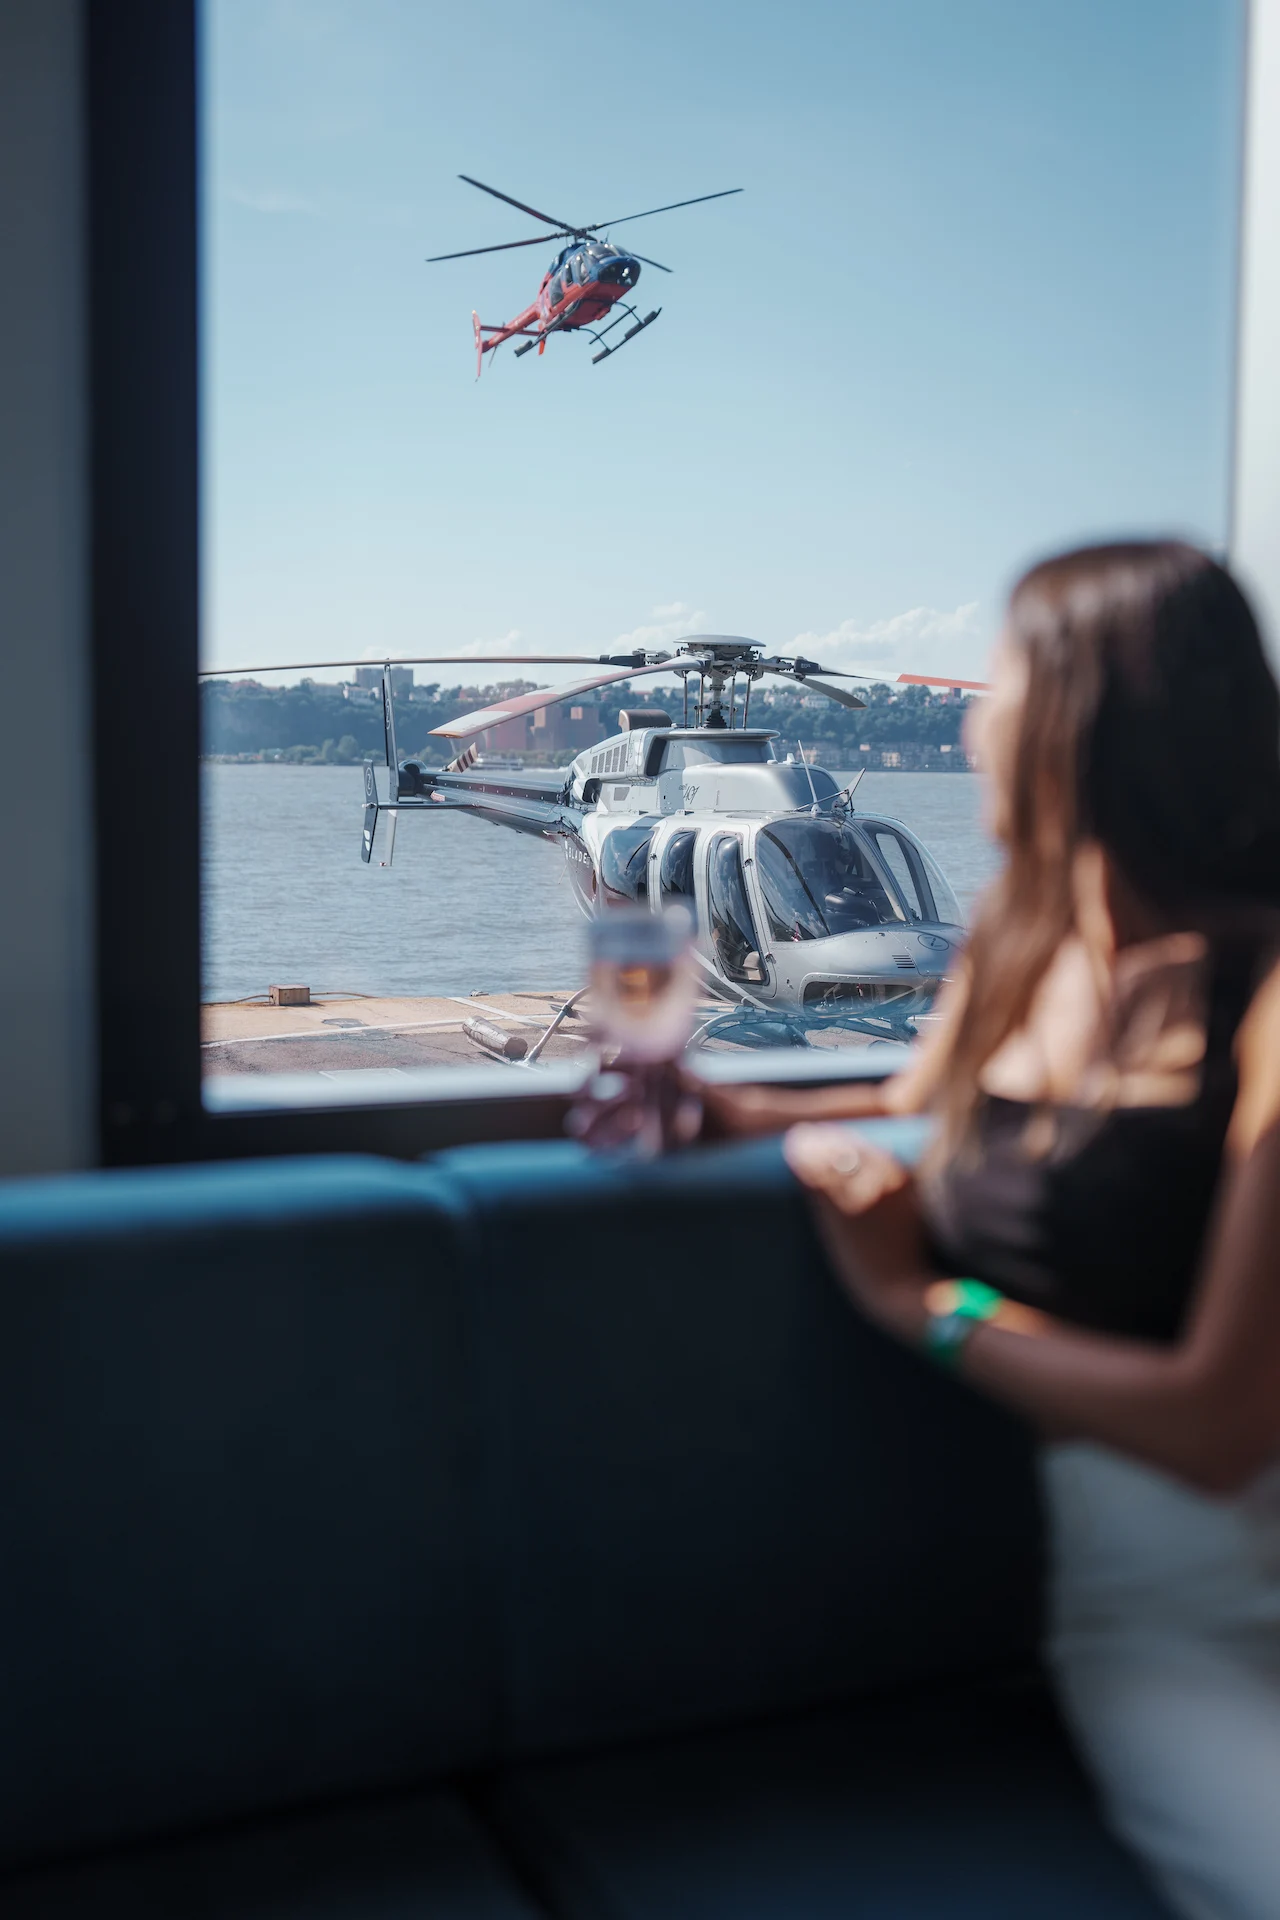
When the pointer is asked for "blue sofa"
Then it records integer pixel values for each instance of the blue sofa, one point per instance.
(510, 1535)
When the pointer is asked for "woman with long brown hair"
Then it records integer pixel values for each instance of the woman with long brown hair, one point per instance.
(1094, 1237)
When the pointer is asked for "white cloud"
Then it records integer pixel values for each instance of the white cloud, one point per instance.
(921, 640)
(668, 624)
(512, 641)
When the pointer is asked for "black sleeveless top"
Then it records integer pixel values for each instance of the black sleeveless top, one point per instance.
(1107, 1228)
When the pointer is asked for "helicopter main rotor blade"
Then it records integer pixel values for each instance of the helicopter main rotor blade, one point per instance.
(886, 677)
(567, 225)
(649, 211)
(651, 263)
(414, 660)
(871, 676)
(843, 696)
(485, 717)
(538, 240)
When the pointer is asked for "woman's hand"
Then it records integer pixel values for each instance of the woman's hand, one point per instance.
(867, 1214)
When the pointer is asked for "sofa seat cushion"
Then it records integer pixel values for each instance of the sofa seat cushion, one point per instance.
(420, 1858)
(960, 1806)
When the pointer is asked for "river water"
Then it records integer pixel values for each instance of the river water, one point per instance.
(465, 906)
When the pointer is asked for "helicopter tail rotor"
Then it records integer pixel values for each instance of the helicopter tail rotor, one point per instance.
(483, 346)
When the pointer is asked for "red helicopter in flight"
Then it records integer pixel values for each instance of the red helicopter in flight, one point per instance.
(584, 282)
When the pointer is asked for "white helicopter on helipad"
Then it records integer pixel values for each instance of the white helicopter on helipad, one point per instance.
(802, 907)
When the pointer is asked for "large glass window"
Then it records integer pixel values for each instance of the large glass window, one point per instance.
(1035, 348)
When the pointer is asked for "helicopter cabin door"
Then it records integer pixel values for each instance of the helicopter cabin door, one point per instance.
(736, 946)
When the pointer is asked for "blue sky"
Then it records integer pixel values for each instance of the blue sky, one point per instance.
(976, 300)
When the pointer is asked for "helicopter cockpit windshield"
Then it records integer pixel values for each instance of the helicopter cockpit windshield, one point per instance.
(817, 879)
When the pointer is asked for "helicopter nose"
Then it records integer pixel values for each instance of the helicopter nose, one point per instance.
(622, 271)
(879, 956)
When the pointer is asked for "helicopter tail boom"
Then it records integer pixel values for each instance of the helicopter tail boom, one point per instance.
(523, 326)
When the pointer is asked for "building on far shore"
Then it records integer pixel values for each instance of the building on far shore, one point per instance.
(548, 730)
(401, 679)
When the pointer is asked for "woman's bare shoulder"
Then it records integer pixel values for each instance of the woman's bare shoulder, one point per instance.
(1257, 1106)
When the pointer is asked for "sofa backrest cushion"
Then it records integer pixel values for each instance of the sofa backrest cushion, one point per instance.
(237, 1448)
(711, 1489)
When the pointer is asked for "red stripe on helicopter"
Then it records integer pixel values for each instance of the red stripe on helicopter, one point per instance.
(939, 680)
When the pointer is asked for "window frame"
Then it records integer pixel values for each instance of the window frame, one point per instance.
(142, 108)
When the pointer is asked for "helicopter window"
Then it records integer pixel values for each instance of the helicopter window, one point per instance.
(731, 926)
(555, 292)
(816, 879)
(568, 273)
(624, 866)
(679, 754)
(675, 873)
(923, 887)
(896, 855)
(947, 909)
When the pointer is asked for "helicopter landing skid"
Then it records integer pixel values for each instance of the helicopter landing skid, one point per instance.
(630, 333)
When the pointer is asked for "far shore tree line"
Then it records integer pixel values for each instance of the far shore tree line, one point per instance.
(317, 724)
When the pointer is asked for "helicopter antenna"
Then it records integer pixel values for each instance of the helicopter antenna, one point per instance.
(845, 796)
(813, 791)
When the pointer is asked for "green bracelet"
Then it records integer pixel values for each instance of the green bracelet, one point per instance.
(948, 1329)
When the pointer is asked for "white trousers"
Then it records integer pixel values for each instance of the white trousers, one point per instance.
(1165, 1644)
